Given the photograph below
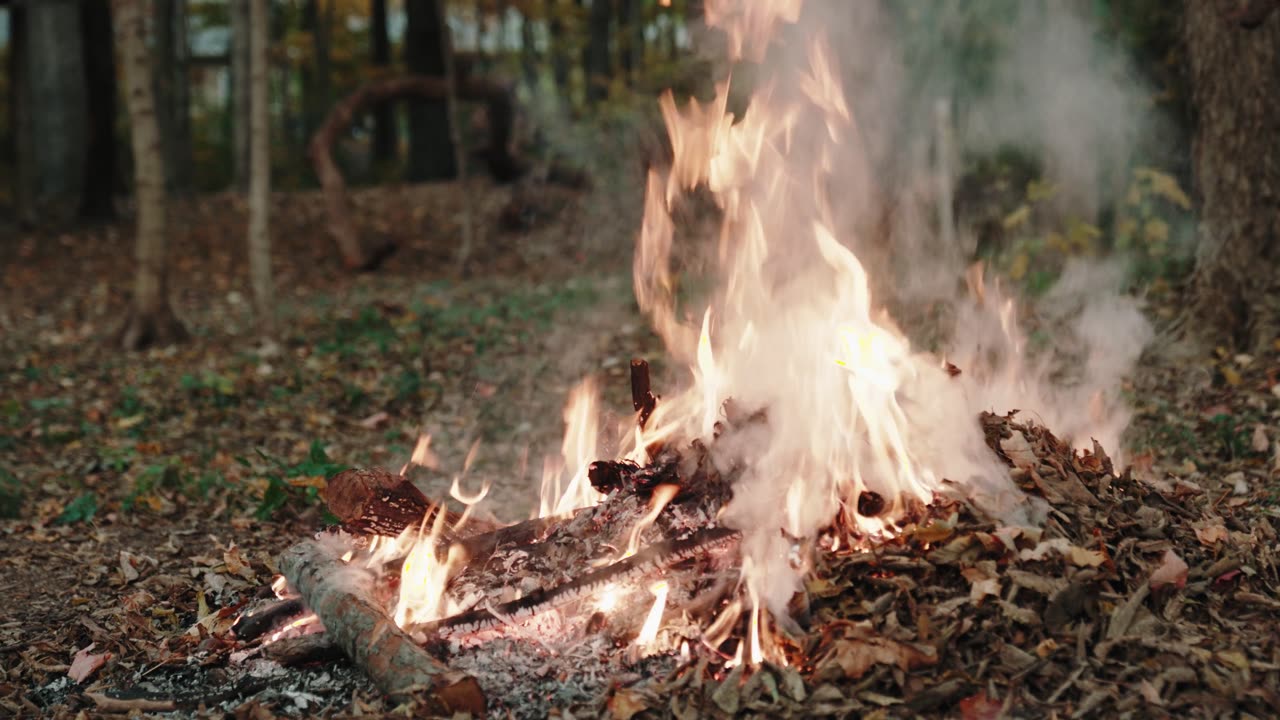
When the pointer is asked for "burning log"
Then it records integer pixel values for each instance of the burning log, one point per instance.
(652, 559)
(250, 627)
(642, 397)
(375, 501)
(357, 623)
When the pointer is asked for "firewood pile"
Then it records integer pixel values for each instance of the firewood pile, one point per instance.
(952, 610)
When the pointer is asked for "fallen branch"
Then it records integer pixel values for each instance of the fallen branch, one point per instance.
(497, 95)
(360, 626)
(655, 557)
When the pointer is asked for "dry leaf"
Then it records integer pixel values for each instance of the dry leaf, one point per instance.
(1172, 571)
(84, 664)
(1259, 441)
(980, 707)
(1210, 533)
(1019, 451)
(625, 703)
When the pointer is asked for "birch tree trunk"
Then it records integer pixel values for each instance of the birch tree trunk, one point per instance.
(260, 171)
(151, 320)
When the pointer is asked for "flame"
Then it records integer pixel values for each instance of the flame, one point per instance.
(649, 631)
(793, 330)
(304, 621)
(662, 495)
(578, 451)
(608, 599)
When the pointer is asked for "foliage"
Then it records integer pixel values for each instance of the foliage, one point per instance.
(82, 509)
(297, 481)
(11, 495)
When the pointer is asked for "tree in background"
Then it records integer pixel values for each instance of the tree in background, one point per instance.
(240, 93)
(1235, 83)
(151, 320)
(51, 132)
(431, 151)
(100, 171)
(598, 59)
(384, 118)
(260, 171)
(173, 92)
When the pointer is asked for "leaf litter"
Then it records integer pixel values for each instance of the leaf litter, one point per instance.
(1150, 591)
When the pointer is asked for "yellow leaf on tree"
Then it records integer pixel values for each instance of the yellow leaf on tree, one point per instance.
(1018, 268)
(1155, 232)
(1018, 217)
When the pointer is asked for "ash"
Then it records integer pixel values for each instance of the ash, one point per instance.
(525, 680)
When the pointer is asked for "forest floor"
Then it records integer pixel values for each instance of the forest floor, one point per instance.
(143, 492)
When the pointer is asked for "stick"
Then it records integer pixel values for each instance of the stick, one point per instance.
(361, 627)
(250, 627)
(642, 398)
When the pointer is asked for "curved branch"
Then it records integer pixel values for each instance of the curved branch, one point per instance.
(497, 95)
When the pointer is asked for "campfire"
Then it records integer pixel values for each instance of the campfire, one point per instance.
(810, 435)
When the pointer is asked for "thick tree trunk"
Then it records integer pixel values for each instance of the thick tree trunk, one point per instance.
(499, 99)
(173, 93)
(151, 320)
(598, 56)
(260, 172)
(100, 173)
(240, 93)
(431, 152)
(1235, 81)
(384, 118)
(54, 95)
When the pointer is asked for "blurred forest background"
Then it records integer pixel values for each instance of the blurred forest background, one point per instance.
(411, 198)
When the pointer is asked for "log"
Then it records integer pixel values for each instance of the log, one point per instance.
(374, 501)
(359, 625)
(497, 95)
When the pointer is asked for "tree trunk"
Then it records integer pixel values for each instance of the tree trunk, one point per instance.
(1235, 81)
(384, 119)
(559, 52)
(17, 108)
(240, 93)
(500, 104)
(431, 153)
(631, 38)
(173, 94)
(101, 169)
(151, 320)
(528, 49)
(599, 56)
(260, 172)
(53, 91)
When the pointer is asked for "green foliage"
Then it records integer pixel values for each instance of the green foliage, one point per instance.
(82, 509)
(301, 481)
(1154, 225)
(211, 388)
(11, 495)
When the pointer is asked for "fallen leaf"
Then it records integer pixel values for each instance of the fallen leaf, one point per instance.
(626, 703)
(980, 707)
(1259, 441)
(1210, 533)
(1172, 571)
(85, 664)
(374, 420)
(1019, 451)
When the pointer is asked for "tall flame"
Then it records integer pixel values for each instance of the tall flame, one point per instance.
(793, 330)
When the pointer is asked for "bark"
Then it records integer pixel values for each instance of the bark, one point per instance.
(455, 139)
(260, 176)
(631, 38)
(378, 502)
(528, 49)
(240, 93)
(360, 626)
(151, 320)
(497, 96)
(173, 92)
(18, 127)
(1235, 82)
(101, 168)
(559, 51)
(598, 56)
(384, 119)
(53, 152)
(431, 152)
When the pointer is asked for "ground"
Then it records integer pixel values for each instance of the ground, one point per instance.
(145, 491)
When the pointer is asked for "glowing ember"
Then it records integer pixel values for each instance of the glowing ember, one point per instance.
(608, 599)
(649, 631)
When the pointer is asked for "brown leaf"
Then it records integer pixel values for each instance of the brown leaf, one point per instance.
(1172, 571)
(1210, 533)
(856, 656)
(85, 664)
(980, 707)
(625, 703)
